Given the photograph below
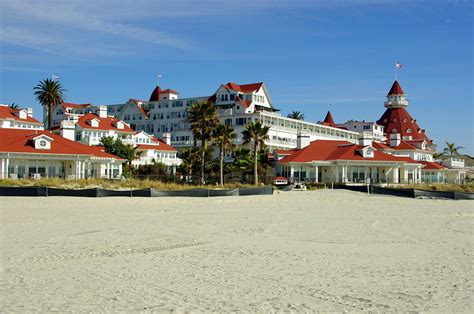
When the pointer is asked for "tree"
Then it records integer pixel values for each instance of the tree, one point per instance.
(49, 93)
(203, 118)
(222, 137)
(451, 149)
(13, 106)
(256, 133)
(296, 115)
(190, 158)
(118, 148)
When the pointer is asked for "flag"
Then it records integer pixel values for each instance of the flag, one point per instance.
(159, 75)
(398, 65)
(55, 77)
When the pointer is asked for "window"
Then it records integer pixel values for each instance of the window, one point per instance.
(394, 120)
(232, 96)
(394, 131)
(366, 127)
(408, 130)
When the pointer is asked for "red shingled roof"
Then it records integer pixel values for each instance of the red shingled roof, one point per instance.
(322, 150)
(21, 141)
(8, 113)
(428, 165)
(400, 120)
(245, 88)
(328, 120)
(381, 146)
(396, 89)
(74, 106)
(108, 123)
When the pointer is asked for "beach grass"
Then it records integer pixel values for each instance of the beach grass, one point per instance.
(111, 184)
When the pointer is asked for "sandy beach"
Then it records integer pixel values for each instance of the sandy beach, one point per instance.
(329, 250)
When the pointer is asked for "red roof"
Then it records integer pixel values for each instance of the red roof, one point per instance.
(381, 146)
(108, 123)
(322, 150)
(74, 106)
(8, 113)
(285, 151)
(429, 165)
(405, 146)
(155, 94)
(396, 89)
(398, 120)
(21, 141)
(162, 146)
(328, 120)
(245, 88)
(169, 91)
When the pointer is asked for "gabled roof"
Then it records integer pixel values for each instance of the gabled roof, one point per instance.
(74, 106)
(159, 146)
(400, 120)
(323, 150)
(396, 89)
(328, 120)
(108, 123)
(429, 165)
(8, 113)
(169, 91)
(244, 88)
(21, 141)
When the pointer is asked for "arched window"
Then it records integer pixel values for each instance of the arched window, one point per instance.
(408, 130)
(394, 131)
(394, 120)
(405, 120)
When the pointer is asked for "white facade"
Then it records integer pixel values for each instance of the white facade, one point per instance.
(366, 129)
(18, 119)
(235, 107)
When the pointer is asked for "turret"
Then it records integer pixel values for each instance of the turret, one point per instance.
(396, 98)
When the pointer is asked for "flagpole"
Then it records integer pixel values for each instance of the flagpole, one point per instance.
(396, 71)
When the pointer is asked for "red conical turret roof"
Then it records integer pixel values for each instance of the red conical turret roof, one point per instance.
(396, 89)
(155, 95)
(329, 121)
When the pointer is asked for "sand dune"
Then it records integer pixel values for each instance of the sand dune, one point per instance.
(326, 250)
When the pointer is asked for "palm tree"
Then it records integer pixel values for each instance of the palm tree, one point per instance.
(296, 115)
(203, 118)
(222, 137)
(13, 106)
(49, 93)
(451, 149)
(257, 133)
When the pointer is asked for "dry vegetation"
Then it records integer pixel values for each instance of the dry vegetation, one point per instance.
(109, 184)
(468, 187)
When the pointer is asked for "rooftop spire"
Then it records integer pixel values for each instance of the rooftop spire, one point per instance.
(329, 121)
(396, 89)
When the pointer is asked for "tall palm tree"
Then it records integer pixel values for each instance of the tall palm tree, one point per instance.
(222, 137)
(13, 106)
(296, 115)
(49, 93)
(203, 118)
(257, 133)
(451, 149)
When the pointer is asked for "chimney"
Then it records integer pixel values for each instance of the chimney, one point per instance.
(68, 129)
(302, 140)
(395, 140)
(30, 112)
(167, 138)
(102, 111)
(365, 141)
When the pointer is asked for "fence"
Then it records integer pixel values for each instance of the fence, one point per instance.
(97, 192)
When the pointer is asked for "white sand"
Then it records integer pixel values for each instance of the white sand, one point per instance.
(324, 250)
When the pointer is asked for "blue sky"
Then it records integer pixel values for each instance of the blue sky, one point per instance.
(308, 53)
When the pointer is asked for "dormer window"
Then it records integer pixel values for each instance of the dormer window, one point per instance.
(408, 130)
(42, 142)
(394, 131)
(385, 120)
(405, 120)
(394, 120)
(94, 123)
